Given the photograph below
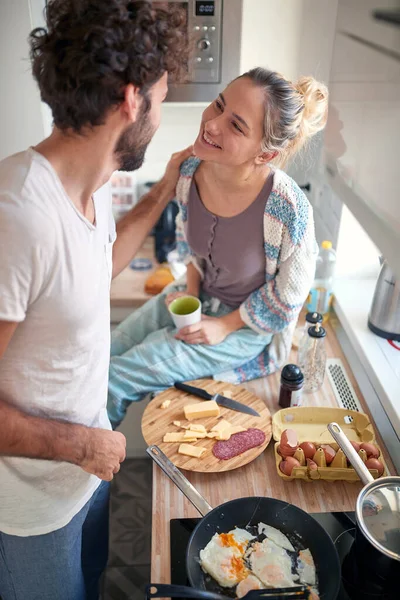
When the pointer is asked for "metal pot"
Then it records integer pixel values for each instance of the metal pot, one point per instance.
(377, 541)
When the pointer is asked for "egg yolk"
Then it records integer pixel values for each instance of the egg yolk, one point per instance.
(228, 539)
(238, 568)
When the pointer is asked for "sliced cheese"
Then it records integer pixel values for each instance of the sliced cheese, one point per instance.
(165, 404)
(213, 434)
(227, 393)
(190, 435)
(176, 423)
(221, 425)
(198, 427)
(224, 435)
(201, 410)
(236, 429)
(173, 436)
(195, 451)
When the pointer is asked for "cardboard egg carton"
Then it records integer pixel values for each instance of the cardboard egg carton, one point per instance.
(310, 424)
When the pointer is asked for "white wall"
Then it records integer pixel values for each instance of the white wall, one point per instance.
(271, 34)
(21, 123)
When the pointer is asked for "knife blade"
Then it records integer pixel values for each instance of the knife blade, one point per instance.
(219, 399)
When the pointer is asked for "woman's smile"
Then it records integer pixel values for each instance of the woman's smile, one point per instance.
(206, 139)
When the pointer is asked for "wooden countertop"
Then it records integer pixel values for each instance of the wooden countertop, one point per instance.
(127, 289)
(258, 478)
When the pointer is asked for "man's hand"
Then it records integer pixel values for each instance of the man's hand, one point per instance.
(171, 175)
(210, 331)
(105, 450)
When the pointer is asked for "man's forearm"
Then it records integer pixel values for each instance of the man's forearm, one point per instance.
(134, 227)
(34, 437)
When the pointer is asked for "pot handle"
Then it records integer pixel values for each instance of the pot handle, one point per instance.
(343, 441)
(179, 480)
(163, 590)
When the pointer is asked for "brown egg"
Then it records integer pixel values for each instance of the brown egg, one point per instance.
(330, 453)
(287, 466)
(374, 463)
(289, 443)
(308, 449)
(371, 450)
(356, 446)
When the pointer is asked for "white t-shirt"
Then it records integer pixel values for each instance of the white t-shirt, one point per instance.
(55, 274)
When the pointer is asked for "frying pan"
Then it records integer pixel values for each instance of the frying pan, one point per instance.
(302, 529)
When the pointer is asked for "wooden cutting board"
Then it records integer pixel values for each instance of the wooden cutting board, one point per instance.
(157, 421)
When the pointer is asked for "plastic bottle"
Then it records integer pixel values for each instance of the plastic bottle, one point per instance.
(319, 299)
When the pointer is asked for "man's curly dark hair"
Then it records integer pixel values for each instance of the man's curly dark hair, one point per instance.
(92, 49)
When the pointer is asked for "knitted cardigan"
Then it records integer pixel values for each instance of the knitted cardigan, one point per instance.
(290, 252)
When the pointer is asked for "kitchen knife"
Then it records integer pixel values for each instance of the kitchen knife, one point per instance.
(221, 400)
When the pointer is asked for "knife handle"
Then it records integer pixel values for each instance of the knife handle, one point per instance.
(192, 390)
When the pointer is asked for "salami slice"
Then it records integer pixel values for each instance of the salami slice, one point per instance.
(238, 443)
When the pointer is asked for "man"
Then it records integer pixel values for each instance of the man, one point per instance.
(102, 68)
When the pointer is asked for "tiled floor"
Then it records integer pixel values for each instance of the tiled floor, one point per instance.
(128, 569)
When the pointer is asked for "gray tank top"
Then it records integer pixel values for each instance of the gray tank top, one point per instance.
(232, 247)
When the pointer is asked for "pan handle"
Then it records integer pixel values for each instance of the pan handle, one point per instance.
(179, 480)
(161, 590)
(343, 441)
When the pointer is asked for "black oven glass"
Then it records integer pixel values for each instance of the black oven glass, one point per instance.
(205, 8)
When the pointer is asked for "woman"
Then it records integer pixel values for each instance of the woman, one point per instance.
(246, 233)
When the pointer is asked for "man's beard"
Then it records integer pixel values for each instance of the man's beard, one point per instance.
(132, 144)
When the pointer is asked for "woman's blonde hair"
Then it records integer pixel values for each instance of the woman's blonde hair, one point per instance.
(293, 112)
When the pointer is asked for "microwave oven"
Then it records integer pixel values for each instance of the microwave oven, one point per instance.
(214, 34)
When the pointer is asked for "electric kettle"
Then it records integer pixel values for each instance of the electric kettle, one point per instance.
(384, 316)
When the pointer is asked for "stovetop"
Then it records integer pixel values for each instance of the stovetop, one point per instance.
(340, 527)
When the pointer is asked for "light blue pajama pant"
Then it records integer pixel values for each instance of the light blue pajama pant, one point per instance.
(146, 357)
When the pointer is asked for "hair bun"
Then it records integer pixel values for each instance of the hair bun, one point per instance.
(315, 113)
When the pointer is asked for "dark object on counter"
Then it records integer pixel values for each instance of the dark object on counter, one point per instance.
(292, 380)
(141, 264)
(303, 530)
(377, 540)
(314, 317)
(162, 590)
(221, 400)
(164, 230)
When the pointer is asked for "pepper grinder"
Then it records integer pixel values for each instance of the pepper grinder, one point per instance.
(313, 358)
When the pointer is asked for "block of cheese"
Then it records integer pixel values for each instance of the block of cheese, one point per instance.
(197, 427)
(190, 435)
(221, 425)
(195, 451)
(165, 404)
(176, 423)
(201, 410)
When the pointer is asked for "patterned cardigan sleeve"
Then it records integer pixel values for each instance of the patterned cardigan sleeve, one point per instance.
(290, 253)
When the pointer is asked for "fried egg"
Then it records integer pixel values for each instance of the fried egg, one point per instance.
(222, 558)
(246, 585)
(276, 536)
(271, 564)
(306, 567)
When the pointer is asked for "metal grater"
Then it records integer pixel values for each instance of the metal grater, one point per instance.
(341, 386)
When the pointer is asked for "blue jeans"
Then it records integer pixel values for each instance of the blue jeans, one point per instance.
(146, 356)
(65, 564)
